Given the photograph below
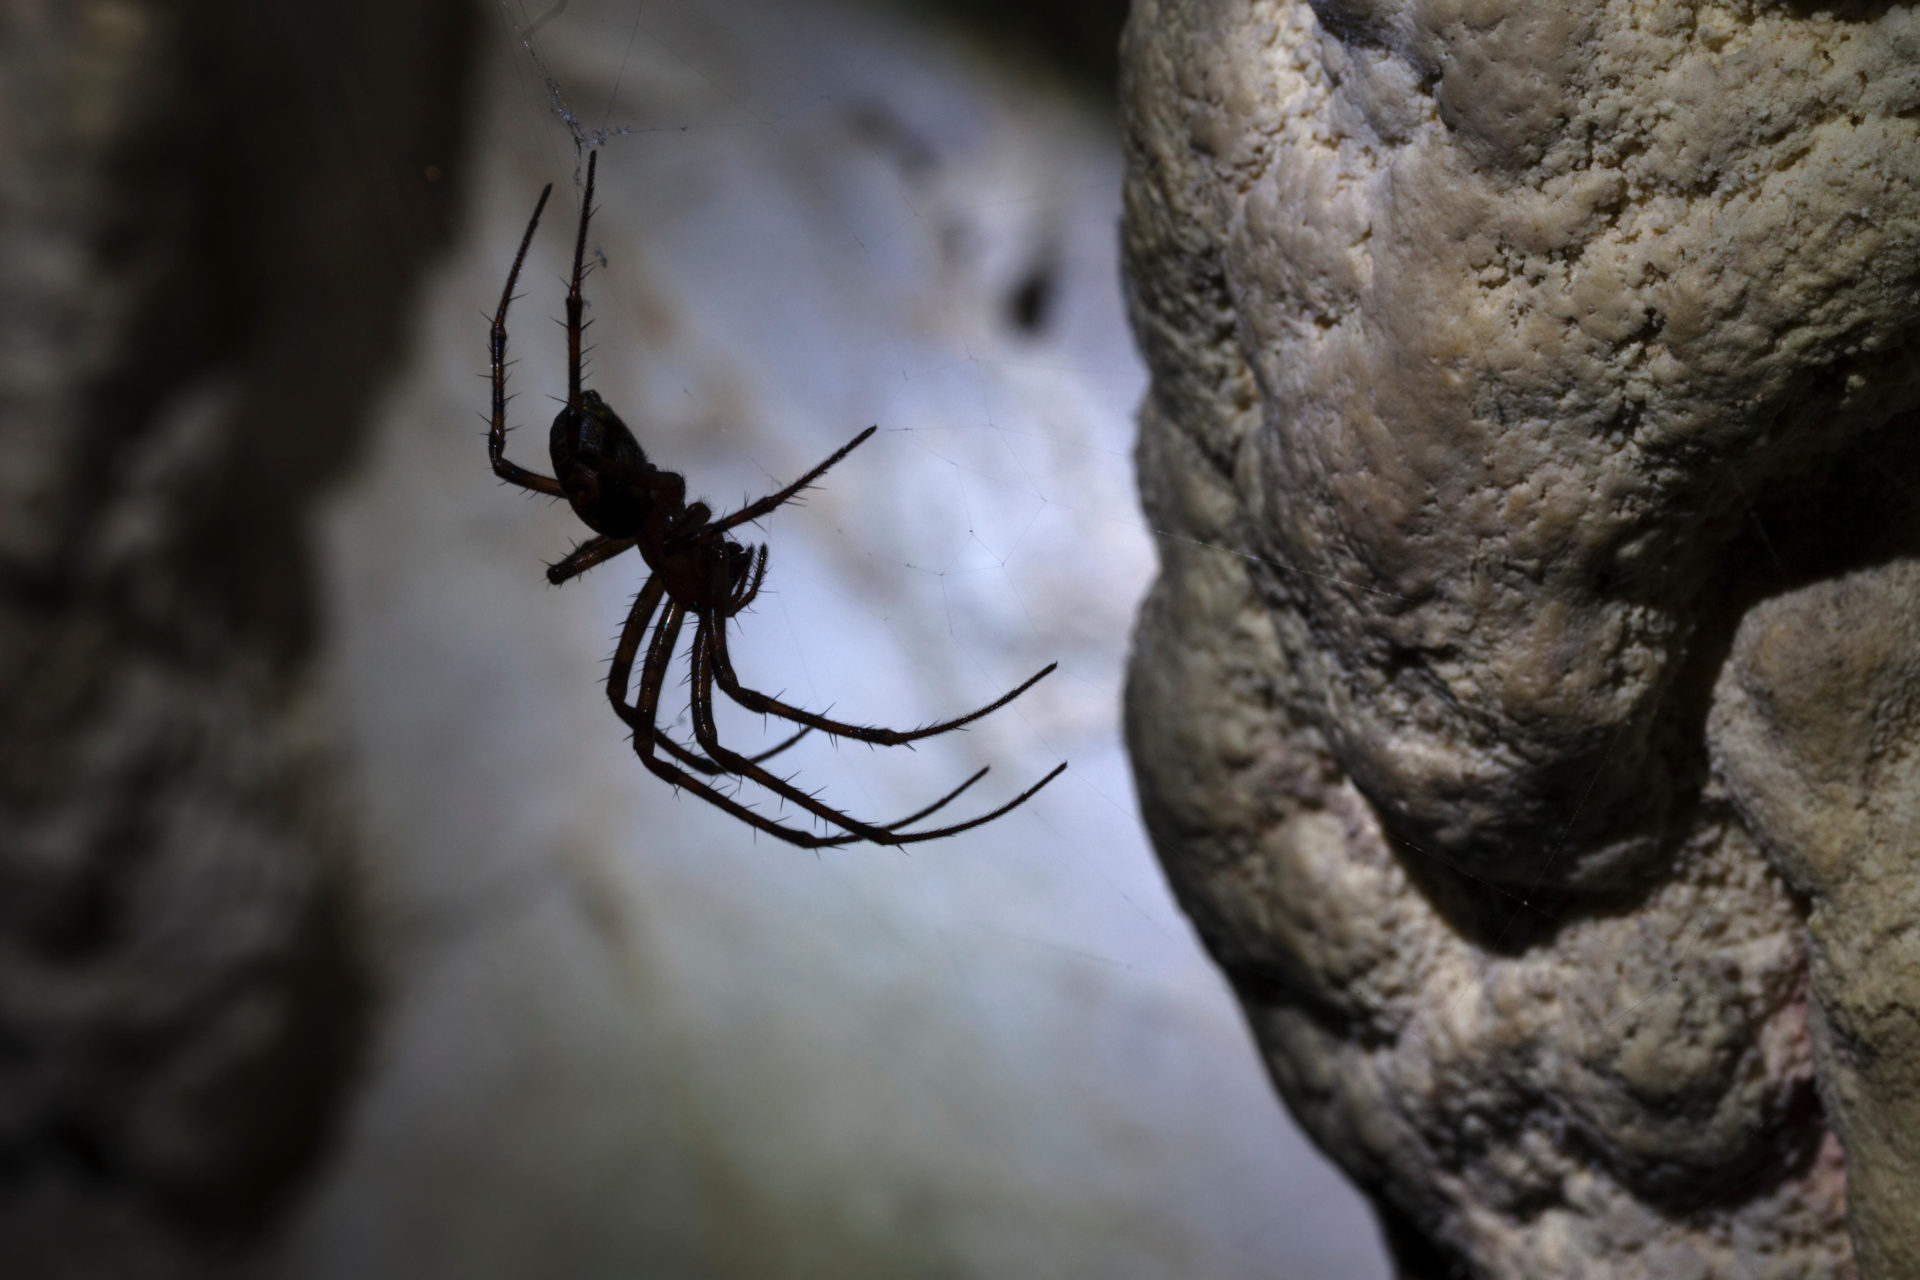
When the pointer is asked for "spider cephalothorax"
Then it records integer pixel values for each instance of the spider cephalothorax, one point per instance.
(698, 570)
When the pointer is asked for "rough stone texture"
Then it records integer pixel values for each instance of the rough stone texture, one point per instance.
(1817, 739)
(1505, 358)
(203, 243)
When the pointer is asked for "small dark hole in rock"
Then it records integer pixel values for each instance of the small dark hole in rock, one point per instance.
(1031, 303)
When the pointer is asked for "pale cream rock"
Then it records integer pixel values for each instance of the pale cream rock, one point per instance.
(1505, 357)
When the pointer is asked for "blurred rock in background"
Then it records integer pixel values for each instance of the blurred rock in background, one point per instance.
(213, 220)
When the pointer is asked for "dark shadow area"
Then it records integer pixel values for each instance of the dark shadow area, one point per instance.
(1080, 38)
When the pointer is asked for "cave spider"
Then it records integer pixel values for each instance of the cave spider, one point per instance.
(695, 569)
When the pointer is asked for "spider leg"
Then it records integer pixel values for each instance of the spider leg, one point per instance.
(707, 734)
(708, 737)
(660, 655)
(750, 585)
(939, 804)
(978, 820)
(574, 305)
(497, 359)
(753, 700)
(753, 511)
(620, 675)
(620, 672)
(685, 755)
(643, 716)
(773, 751)
(743, 594)
(595, 550)
(694, 760)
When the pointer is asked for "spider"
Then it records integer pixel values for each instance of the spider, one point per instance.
(696, 569)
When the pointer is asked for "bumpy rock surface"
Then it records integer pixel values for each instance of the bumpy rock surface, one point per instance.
(1524, 711)
(1816, 736)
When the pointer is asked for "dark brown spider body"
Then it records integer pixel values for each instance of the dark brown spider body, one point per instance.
(697, 571)
(606, 477)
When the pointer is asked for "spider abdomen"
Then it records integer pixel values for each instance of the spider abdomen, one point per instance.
(605, 473)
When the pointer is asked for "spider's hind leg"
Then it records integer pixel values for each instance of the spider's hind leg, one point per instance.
(754, 700)
(694, 760)
(704, 656)
(642, 715)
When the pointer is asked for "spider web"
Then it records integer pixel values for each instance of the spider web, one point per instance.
(1000, 1053)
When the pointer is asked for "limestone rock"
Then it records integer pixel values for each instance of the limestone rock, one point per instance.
(1505, 358)
(1817, 741)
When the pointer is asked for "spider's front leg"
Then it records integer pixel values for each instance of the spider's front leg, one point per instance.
(497, 359)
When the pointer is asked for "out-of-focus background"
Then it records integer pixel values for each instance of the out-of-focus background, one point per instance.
(343, 933)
